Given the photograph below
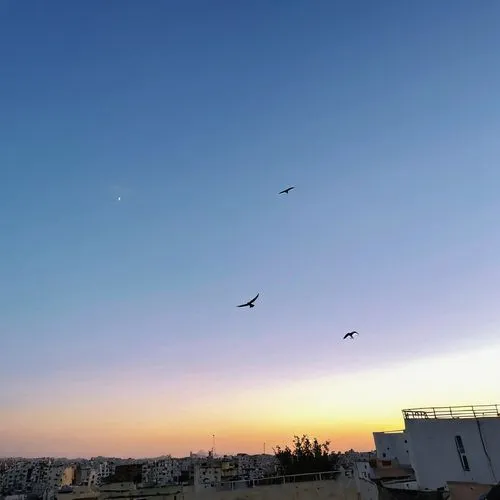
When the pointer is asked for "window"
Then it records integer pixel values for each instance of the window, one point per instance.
(460, 444)
(461, 453)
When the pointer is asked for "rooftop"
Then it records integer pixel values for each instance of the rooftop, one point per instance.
(447, 412)
(466, 490)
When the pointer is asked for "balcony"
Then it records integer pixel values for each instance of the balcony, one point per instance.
(447, 412)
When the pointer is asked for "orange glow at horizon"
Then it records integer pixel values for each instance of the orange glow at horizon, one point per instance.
(343, 409)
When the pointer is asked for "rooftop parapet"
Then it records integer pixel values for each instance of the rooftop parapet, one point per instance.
(448, 412)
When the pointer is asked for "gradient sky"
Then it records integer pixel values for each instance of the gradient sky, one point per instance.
(118, 327)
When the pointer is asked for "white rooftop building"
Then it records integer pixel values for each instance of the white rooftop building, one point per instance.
(392, 445)
(438, 447)
(460, 443)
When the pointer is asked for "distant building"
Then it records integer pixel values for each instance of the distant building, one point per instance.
(256, 466)
(207, 474)
(85, 476)
(104, 470)
(124, 473)
(162, 471)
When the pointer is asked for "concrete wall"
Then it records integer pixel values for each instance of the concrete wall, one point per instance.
(78, 493)
(434, 455)
(392, 446)
(363, 470)
(341, 489)
(468, 491)
(314, 490)
(402, 485)
(367, 490)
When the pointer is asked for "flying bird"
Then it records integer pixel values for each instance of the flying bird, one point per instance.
(287, 190)
(351, 335)
(250, 303)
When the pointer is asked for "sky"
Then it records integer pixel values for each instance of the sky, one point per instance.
(119, 333)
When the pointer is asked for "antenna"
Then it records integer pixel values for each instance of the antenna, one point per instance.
(264, 447)
(213, 445)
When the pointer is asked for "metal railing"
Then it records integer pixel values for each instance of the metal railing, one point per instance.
(447, 412)
(277, 480)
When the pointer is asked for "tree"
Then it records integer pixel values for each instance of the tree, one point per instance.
(306, 456)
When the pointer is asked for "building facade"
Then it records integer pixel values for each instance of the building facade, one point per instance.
(393, 445)
(460, 443)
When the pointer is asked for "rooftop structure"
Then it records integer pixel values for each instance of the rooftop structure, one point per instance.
(454, 443)
(392, 445)
(447, 412)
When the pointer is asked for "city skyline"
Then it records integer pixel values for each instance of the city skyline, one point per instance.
(119, 326)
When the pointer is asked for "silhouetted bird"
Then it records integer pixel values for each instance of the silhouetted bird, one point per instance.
(351, 335)
(250, 303)
(287, 190)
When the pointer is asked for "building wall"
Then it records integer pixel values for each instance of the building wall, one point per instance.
(434, 454)
(68, 476)
(468, 491)
(363, 470)
(313, 490)
(367, 490)
(207, 475)
(402, 485)
(393, 446)
(78, 493)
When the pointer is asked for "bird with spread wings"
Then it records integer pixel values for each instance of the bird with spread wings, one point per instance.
(250, 303)
(351, 335)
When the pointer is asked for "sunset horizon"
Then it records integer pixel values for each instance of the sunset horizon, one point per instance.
(343, 409)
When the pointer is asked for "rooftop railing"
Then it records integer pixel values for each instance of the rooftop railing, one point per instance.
(278, 480)
(447, 412)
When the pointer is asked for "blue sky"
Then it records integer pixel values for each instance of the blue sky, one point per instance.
(385, 115)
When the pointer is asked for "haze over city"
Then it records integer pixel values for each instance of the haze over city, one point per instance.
(142, 149)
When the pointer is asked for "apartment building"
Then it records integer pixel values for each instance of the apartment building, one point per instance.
(256, 466)
(460, 443)
(161, 471)
(35, 476)
(439, 446)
